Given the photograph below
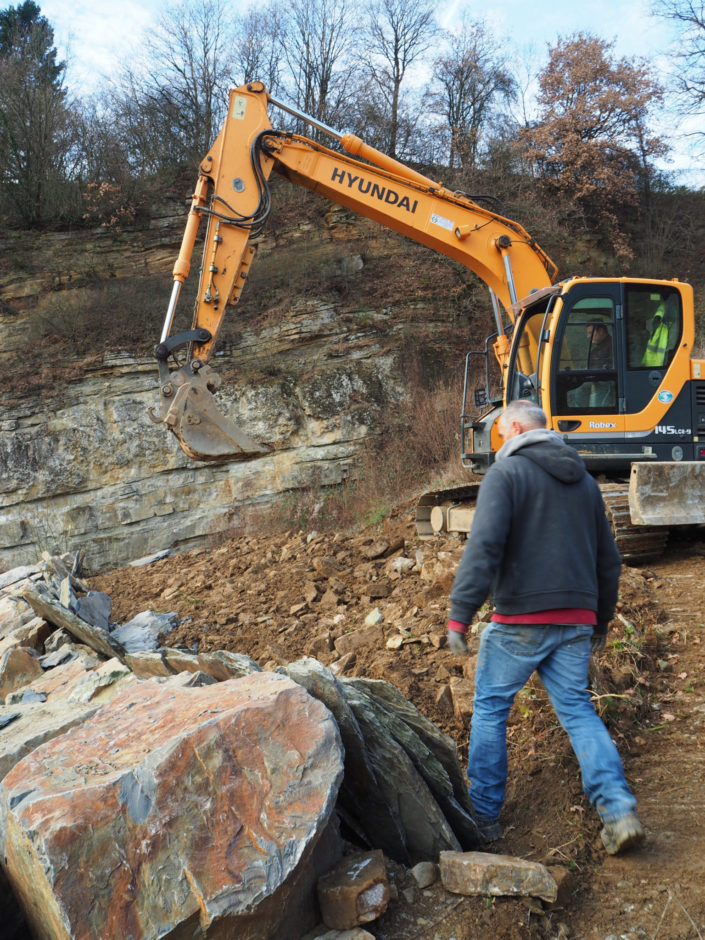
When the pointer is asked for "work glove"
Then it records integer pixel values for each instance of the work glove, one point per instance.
(456, 641)
(598, 639)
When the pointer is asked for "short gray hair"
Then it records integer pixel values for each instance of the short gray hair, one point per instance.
(526, 413)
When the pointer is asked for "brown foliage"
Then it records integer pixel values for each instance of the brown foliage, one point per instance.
(591, 142)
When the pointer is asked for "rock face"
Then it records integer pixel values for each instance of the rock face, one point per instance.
(173, 812)
(88, 468)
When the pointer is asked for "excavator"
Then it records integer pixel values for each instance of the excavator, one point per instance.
(608, 359)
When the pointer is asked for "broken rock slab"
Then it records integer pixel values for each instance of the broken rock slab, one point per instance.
(355, 891)
(45, 605)
(474, 873)
(103, 683)
(22, 573)
(32, 633)
(141, 634)
(433, 754)
(360, 802)
(370, 635)
(172, 811)
(18, 667)
(220, 664)
(401, 780)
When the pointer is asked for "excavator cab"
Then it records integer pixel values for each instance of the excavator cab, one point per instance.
(609, 362)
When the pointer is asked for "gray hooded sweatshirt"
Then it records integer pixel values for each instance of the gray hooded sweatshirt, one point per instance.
(540, 539)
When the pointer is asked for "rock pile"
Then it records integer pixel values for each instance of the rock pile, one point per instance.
(150, 790)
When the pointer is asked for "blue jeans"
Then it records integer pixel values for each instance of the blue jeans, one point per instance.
(560, 655)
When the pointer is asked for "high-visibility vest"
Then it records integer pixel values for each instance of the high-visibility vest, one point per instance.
(657, 346)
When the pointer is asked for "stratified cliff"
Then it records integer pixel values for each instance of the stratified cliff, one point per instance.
(81, 464)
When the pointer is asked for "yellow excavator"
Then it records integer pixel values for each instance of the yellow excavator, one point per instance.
(608, 359)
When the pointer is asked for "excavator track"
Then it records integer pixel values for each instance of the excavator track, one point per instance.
(435, 509)
(441, 511)
(636, 543)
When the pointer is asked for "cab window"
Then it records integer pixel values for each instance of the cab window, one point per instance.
(654, 325)
(587, 371)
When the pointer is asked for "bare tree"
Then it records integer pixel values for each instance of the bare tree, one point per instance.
(37, 130)
(172, 104)
(470, 81)
(259, 43)
(316, 42)
(398, 34)
(689, 54)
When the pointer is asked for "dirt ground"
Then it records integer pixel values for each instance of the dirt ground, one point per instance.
(278, 598)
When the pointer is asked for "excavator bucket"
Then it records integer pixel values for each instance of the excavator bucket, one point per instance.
(189, 410)
(667, 493)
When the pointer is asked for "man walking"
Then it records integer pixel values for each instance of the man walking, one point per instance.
(541, 545)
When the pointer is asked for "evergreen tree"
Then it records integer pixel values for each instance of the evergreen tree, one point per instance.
(35, 121)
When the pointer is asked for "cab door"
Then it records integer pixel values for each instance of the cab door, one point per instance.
(587, 381)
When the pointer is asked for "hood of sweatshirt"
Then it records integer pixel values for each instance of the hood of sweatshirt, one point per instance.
(547, 449)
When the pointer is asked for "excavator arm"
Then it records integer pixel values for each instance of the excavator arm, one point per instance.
(232, 193)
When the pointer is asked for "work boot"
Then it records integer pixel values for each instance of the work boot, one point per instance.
(622, 834)
(489, 830)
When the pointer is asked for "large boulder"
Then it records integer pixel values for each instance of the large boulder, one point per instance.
(176, 812)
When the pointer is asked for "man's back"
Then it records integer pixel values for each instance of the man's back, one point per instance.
(540, 539)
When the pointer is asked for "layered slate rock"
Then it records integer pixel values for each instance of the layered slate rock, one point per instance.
(403, 790)
(361, 803)
(433, 753)
(175, 809)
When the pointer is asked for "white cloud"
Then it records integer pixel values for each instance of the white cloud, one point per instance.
(96, 38)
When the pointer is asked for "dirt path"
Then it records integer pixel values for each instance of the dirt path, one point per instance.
(657, 892)
(278, 598)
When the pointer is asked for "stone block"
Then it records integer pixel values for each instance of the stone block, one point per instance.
(320, 645)
(377, 549)
(58, 681)
(103, 683)
(350, 642)
(444, 700)
(425, 874)
(220, 664)
(141, 634)
(37, 722)
(462, 693)
(355, 891)
(473, 873)
(174, 810)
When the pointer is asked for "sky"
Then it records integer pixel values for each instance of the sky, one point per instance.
(95, 36)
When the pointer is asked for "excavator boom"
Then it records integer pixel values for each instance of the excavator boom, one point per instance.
(232, 195)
